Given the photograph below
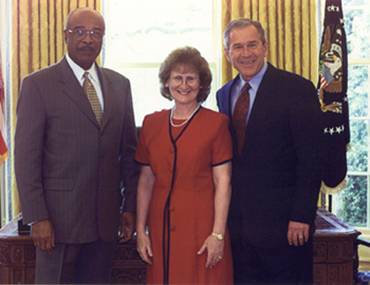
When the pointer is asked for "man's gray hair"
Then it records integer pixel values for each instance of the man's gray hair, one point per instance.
(242, 23)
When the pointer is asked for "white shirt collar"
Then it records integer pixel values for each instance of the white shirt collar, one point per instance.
(79, 71)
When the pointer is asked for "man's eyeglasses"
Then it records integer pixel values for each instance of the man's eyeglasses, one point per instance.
(81, 33)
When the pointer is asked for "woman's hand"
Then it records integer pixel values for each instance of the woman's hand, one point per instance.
(215, 250)
(144, 247)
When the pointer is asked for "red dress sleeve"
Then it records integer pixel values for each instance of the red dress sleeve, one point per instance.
(142, 153)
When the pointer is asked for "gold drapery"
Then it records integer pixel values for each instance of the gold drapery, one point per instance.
(37, 41)
(291, 27)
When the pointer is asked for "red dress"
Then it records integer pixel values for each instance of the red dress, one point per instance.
(181, 211)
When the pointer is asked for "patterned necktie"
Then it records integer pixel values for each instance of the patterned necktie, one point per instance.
(240, 114)
(92, 97)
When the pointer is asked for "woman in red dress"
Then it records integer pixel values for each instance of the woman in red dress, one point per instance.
(184, 186)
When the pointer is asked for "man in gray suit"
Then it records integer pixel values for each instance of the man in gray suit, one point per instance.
(74, 146)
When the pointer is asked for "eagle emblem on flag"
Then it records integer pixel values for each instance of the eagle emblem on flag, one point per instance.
(331, 68)
(332, 94)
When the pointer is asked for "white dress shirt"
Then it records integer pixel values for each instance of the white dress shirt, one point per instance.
(93, 76)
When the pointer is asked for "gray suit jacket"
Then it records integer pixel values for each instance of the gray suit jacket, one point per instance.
(68, 169)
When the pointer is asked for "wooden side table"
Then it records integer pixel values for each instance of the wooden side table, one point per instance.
(334, 255)
(17, 260)
(335, 250)
(17, 256)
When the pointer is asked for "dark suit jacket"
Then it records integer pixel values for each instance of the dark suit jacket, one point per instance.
(68, 169)
(277, 176)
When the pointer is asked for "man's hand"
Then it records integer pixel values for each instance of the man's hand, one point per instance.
(127, 228)
(298, 233)
(214, 249)
(42, 234)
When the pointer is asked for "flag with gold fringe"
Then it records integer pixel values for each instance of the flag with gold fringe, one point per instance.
(3, 147)
(332, 91)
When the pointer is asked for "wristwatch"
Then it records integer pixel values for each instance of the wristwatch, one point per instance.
(218, 236)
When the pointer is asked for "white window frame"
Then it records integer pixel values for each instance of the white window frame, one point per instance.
(215, 63)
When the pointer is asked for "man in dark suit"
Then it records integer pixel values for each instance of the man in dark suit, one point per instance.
(74, 146)
(274, 121)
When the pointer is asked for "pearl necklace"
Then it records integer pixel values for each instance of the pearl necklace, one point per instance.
(185, 121)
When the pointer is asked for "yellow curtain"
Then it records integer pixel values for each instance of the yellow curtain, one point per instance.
(37, 42)
(291, 32)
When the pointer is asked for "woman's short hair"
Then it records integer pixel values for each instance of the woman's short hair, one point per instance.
(191, 57)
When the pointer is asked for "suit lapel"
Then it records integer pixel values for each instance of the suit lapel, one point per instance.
(106, 86)
(227, 108)
(229, 104)
(73, 90)
(228, 94)
(258, 112)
